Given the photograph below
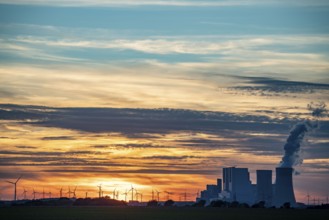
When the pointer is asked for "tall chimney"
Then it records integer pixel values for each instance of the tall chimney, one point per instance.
(284, 191)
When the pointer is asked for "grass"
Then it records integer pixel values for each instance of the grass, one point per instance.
(160, 213)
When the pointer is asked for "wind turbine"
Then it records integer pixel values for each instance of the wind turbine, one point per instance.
(198, 194)
(74, 195)
(158, 195)
(141, 194)
(152, 194)
(69, 192)
(168, 193)
(117, 195)
(15, 184)
(61, 192)
(113, 193)
(24, 194)
(100, 190)
(185, 197)
(49, 194)
(138, 194)
(34, 192)
(132, 192)
(43, 193)
(125, 193)
(308, 198)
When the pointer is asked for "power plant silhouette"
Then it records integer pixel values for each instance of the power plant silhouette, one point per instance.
(238, 187)
(236, 181)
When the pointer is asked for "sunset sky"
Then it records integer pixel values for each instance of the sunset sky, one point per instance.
(159, 94)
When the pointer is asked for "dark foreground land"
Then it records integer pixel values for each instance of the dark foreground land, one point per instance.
(156, 213)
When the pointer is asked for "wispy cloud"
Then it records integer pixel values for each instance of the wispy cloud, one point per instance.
(204, 125)
(193, 3)
(213, 45)
(266, 86)
(230, 55)
(54, 138)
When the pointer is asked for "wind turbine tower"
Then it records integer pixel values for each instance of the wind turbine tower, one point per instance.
(100, 190)
(61, 193)
(141, 197)
(117, 195)
(43, 193)
(15, 185)
(114, 193)
(185, 196)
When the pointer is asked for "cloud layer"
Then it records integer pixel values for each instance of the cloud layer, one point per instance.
(181, 3)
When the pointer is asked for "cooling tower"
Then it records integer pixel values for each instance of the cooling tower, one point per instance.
(284, 191)
(264, 186)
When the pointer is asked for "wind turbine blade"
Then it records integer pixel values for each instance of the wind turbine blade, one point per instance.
(19, 178)
(10, 182)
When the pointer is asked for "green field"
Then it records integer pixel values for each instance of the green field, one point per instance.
(161, 213)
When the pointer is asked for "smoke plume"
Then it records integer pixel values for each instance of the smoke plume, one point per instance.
(292, 149)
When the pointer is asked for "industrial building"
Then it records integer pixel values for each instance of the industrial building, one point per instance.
(237, 186)
(212, 191)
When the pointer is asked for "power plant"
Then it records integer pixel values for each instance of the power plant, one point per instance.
(238, 187)
(236, 181)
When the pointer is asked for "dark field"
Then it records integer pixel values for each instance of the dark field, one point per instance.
(162, 213)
